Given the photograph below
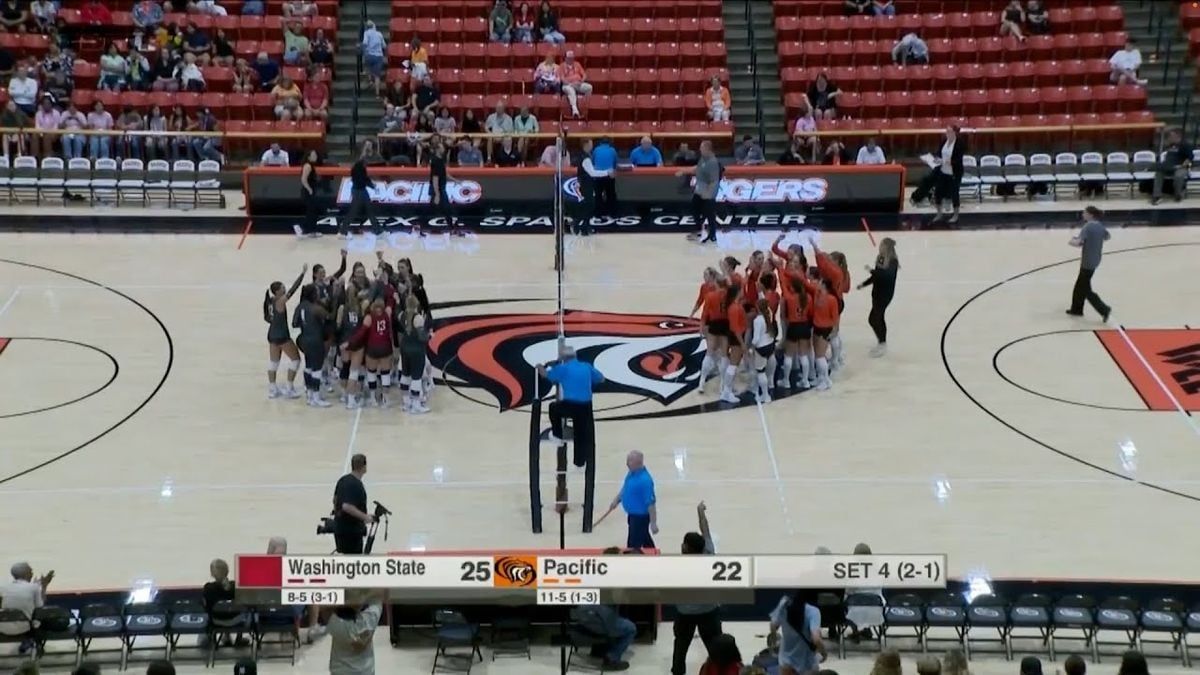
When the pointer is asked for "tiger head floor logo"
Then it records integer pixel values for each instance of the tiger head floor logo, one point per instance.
(645, 356)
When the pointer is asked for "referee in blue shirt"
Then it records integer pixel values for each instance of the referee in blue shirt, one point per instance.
(639, 502)
(604, 160)
(575, 380)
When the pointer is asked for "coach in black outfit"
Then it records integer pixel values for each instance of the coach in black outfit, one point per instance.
(945, 180)
(350, 517)
(438, 180)
(360, 199)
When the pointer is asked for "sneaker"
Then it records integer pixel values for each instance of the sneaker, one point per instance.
(615, 665)
(273, 391)
(291, 392)
(879, 350)
(1106, 314)
(383, 400)
(351, 403)
(730, 397)
(824, 385)
(298, 230)
(764, 398)
(317, 402)
(1071, 312)
(316, 633)
(417, 408)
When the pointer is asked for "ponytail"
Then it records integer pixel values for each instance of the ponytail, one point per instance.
(267, 306)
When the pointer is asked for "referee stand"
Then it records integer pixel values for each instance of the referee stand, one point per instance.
(577, 428)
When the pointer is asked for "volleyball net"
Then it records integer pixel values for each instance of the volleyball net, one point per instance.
(543, 394)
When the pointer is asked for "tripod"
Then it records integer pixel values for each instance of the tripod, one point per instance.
(371, 531)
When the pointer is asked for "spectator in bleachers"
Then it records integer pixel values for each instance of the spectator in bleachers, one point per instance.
(929, 665)
(72, 119)
(169, 37)
(113, 69)
(7, 63)
(748, 153)
(1125, 64)
(316, 96)
(140, 76)
(870, 153)
(23, 89)
(470, 123)
(794, 154)
(179, 121)
(157, 147)
(95, 13)
(207, 147)
(716, 99)
(887, 662)
(822, 96)
(645, 154)
(197, 43)
(43, 12)
(804, 132)
(267, 71)
(685, 156)
(26, 594)
(551, 158)
(398, 95)
(322, 49)
(910, 50)
(797, 623)
(209, 7)
(130, 120)
(506, 154)
(856, 7)
(190, 77)
(223, 53)
(274, 156)
(418, 59)
(13, 17)
(545, 76)
(62, 34)
(253, 8)
(1036, 18)
(393, 122)
(725, 657)
(287, 96)
(836, 153)
(374, 51)
(299, 9)
(547, 24)
(500, 22)
(47, 117)
(426, 97)
(245, 80)
(1012, 18)
(296, 45)
(884, 8)
(162, 73)
(525, 123)
(13, 118)
(99, 145)
(58, 72)
(499, 122)
(524, 24)
(1031, 665)
(1175, 166)
(1074, 665)
(147, 15)
(444, 124)
(574, 81)
(469, 153)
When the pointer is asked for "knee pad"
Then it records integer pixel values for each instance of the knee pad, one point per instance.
(372, 376)
(272, 366)
(386, 378)
(353, 372)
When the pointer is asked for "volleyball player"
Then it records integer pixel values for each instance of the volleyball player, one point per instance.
(832, 266)
(326, 284)
(769, 290)
(882, 281)
(797, 312)
(279, 336)
(824, 320)
(735, 315)
(376, 333)
(310, 318)
(763, 333)
(350, 318)
(413, 344)
(717, 330)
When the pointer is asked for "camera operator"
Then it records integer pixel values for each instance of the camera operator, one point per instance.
(350, 515)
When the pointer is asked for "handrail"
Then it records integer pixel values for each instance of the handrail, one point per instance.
(1167, 63)
(756, 89)
(118, 133)
(358, 70)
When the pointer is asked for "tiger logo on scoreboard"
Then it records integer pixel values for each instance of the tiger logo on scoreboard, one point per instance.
(514, 571)
(647, 358)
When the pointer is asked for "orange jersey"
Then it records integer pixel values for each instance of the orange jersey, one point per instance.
(713, 300)
(773, 302)
(824, 310)
(830, 270)
(750, 288)
(705, 288)
(736, 314)
(793, 312)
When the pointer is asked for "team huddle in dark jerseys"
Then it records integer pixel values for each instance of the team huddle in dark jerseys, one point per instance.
(365, 333)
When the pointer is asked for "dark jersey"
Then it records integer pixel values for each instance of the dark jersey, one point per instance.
(277, 326)
(351, 320)
(310, 319)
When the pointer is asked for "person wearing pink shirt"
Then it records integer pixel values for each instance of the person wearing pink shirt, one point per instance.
(545, 77)
(574, 81)
(804, 132)
(100, 119)
(47, 117)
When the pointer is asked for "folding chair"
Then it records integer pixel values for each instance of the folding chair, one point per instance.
(903, 610)
(452, 630)
(988, 611)
(183, 182)
(1030, 612)
(23, 183)
(79, 177)
(208, 184)
(1066, 171)
(104, 180)
(579, 638)
(226, 619)
(56, 624)
(1164, 615)
(1116, 614)
(101, 621)
(1073, 613)
(947, 611)
(1016, 169)
(157, 182)
(971, 183)
(1194, 172)
(187, 618)
(51, 178)
(1118, 169)
(991, 171)
(1091, 170)
(5, 178)
(278, 622)
(144, 620)
(1145, 165)
(13, 618)
(1041, 172)
(131, 183)
(511, 637)
(861, 604)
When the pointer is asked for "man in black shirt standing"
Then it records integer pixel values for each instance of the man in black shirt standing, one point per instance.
(360, 198)
(438, 182)
(350, 517)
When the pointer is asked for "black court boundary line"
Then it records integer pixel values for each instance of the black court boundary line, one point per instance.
(157, 388)
(1028, 390)
(1154, 375)
(1124, 373)
(113, 378)
(1012, 427)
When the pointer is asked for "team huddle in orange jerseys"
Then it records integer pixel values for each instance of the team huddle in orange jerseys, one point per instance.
(743, 323)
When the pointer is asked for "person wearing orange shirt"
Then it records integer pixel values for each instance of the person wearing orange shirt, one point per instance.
(824, 321)
(707, 286)
(797, 314)
(832, 267)
(574, 81)
(716, 327)
(735, 314)
(716, 99)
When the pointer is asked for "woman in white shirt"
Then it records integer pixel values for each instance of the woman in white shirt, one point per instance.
(864, 617)
(763, 333)
(1125, 64)
(189, 75)
(113, 69)
(870, 153)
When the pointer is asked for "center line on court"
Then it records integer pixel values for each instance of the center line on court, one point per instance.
(11, 299)
(353, 437)
(762, 418)
(1187, 417)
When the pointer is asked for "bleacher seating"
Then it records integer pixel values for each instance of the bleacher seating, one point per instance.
(649, 61)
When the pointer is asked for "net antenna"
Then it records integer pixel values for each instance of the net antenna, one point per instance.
(560, 232)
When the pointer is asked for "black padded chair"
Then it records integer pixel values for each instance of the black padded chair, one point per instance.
(1029, 613)
(1165, 616)
(1192, 621)
(947, 611)
(452, 631)
(903, 610)
(510, 636)
(581, 639)
(55, 624)
(1116, 614)
(833, 613)
(15, 617)
(101, 621)
(144, 620)
(275, 625)
(988, 611)
(1073, 613)
(859, 600)
(188, 618)
(227, 619)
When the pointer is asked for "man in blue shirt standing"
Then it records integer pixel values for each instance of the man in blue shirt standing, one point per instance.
(604, 160)
(638, 500)
(645, 154)
(575, 380)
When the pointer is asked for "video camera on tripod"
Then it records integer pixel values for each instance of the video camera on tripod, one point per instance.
(328, 525)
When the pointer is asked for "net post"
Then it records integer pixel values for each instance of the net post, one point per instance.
(535, 461)
(589, 490)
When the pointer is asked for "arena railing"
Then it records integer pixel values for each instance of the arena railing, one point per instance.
(922, 139)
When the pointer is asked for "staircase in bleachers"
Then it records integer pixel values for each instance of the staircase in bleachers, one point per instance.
(370, 109)
(1158, 28)
(742, 82)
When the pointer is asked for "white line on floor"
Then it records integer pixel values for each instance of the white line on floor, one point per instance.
(11, 299)
(1162, 385)
(762, 418)
(353, 437)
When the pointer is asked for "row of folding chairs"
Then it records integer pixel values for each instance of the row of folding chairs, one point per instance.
(1065, 170)
(164, 625)
(179, 183)
(1121, 620)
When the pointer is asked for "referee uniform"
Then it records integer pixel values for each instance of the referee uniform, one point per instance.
(637, 498)
(575, 380)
